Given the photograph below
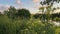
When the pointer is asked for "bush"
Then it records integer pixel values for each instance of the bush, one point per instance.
(57, 19)
(34, 26)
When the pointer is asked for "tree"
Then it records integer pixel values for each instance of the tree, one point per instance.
(0, 13)
(42, 10)
(11, 12)
(37, 16)
(20, 13)
(23, 13)
(47, 4)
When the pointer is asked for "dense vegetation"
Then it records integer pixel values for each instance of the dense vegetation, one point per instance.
(16, 23)
(20, 21)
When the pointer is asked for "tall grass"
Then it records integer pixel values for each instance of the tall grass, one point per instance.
(33, 26)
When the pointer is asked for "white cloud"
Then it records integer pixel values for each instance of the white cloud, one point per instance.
(4, 7)
(7, 6)
(36, 1)
(38, 6)
(0, 5)
(18, 2)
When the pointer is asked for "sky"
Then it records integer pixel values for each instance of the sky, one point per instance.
(32, 5)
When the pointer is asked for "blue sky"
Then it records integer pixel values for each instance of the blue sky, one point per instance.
(28, 4)
(32, 5)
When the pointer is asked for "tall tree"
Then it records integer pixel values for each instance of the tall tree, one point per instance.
(23, 13)
(11, 12)
(47, 4)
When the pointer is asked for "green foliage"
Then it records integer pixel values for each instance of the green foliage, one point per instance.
(57, 19)
(34, 26)
(48, 2)
(46, 9)
(20, 13)
(14, 22)
(6, 27)
(23, 13)
(57, 31)
(11, 12)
